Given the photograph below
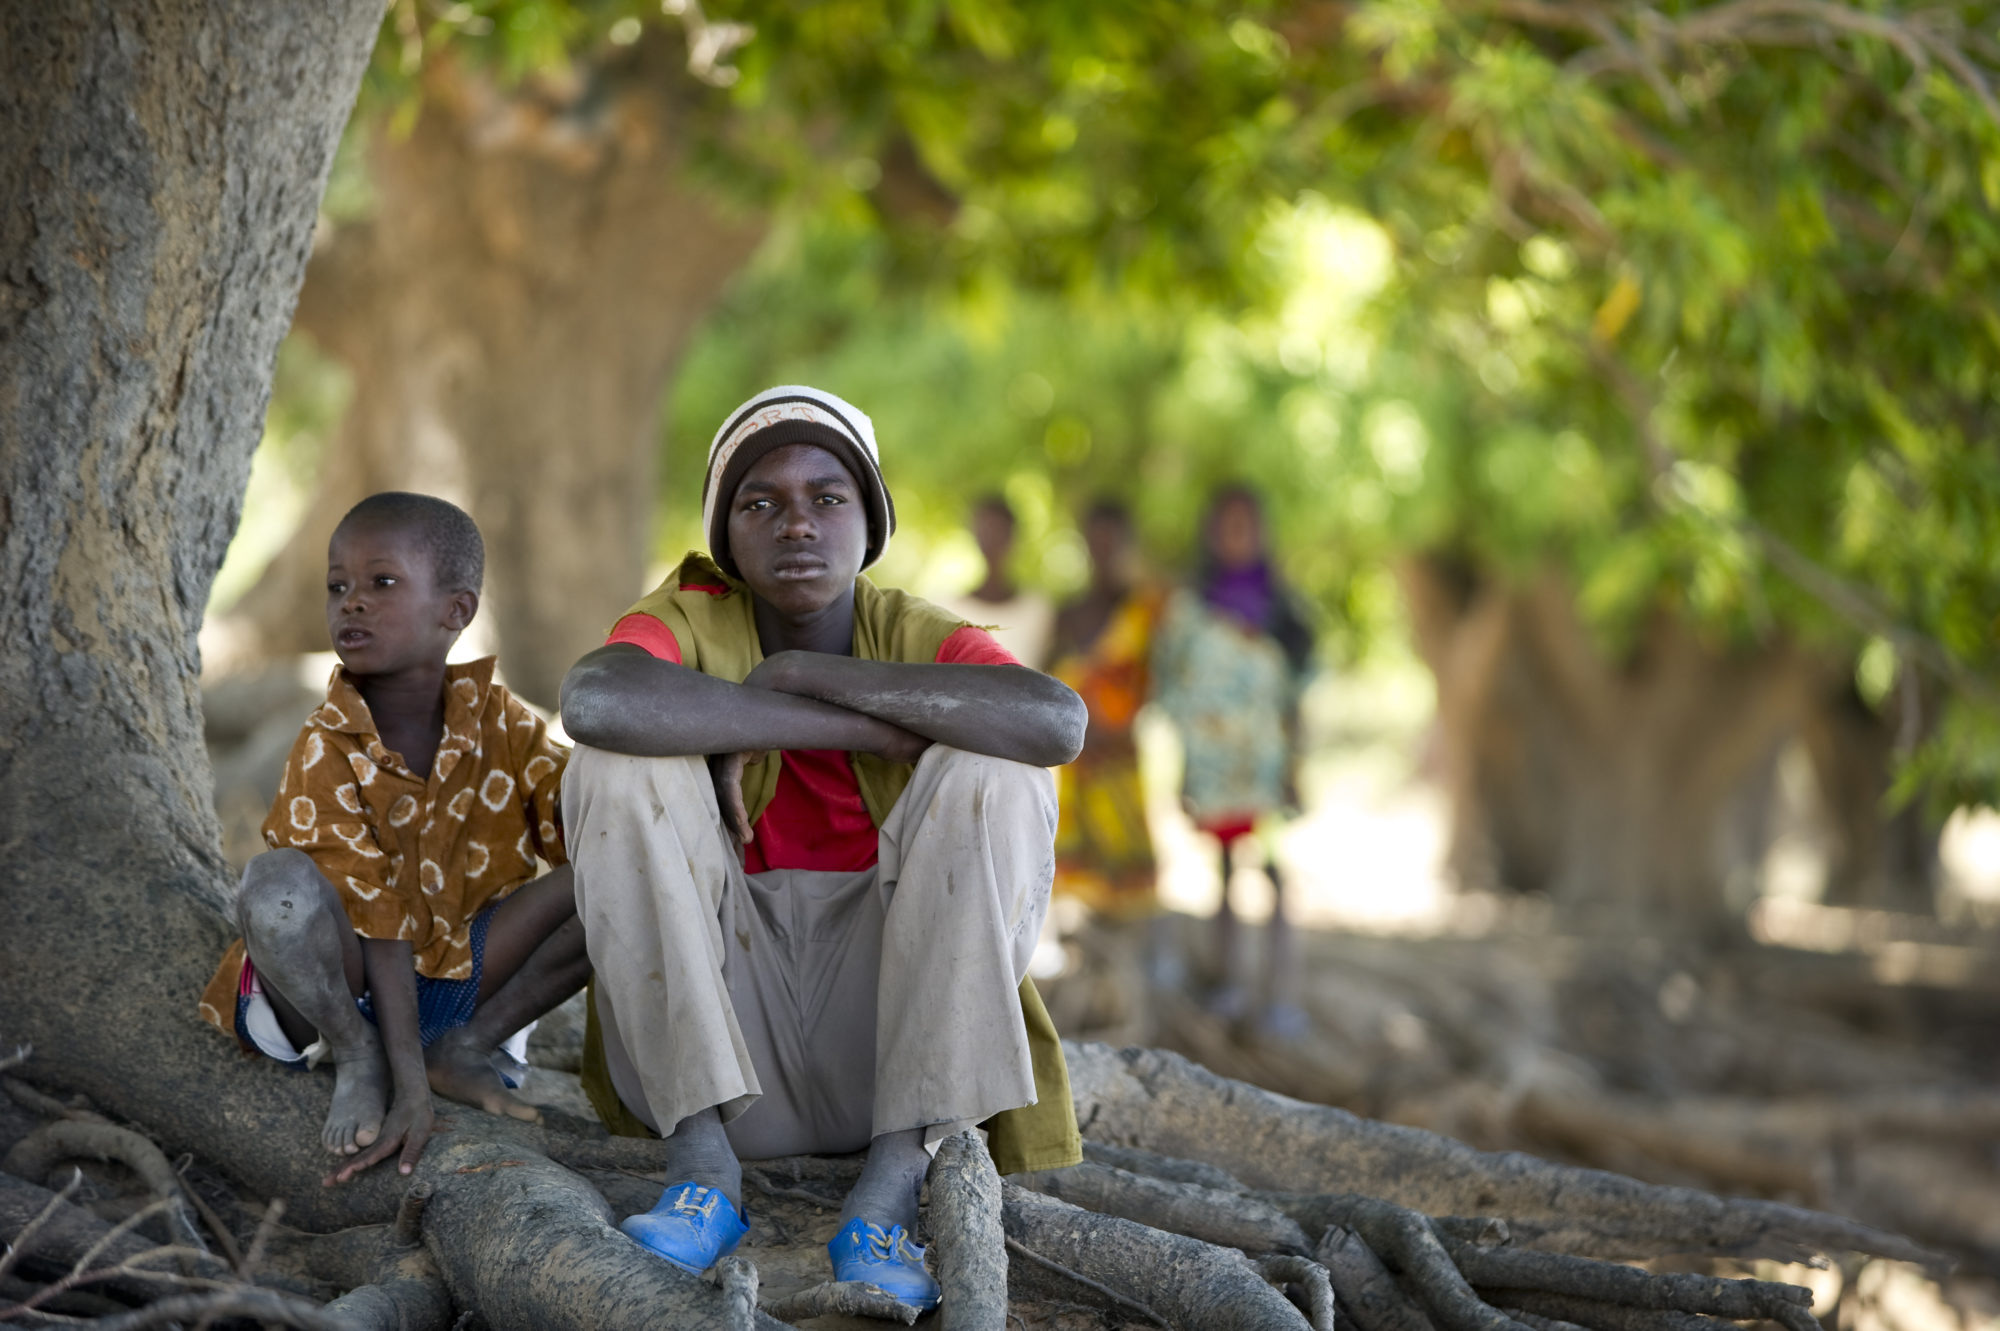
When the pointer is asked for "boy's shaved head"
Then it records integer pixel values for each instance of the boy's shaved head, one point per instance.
(448, 533)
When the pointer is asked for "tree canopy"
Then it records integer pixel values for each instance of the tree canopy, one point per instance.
(1689, 301)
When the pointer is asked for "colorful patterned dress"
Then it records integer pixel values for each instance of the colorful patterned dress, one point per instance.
(1229, 690)
(1104, 852)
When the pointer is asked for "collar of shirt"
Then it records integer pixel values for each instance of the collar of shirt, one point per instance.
(465, 690)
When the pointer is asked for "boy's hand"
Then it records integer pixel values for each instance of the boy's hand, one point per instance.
(726, 770)
(407, 1126)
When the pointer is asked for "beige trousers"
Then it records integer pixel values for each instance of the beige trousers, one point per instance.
(815, 1009)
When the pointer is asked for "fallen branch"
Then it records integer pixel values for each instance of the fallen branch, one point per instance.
(262, 1305)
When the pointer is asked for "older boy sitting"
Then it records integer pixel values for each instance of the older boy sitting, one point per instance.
(822, 948)
(393, 922)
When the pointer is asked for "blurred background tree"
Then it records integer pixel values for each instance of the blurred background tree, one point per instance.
(1636, 363)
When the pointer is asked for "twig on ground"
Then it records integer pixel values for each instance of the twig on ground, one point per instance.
(758, 1180)
(264, 1305)
(231, 1249)
(265, 1227)
(20, 1245)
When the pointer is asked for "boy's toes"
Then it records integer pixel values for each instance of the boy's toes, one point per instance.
(364, 1136)
(514, 1108)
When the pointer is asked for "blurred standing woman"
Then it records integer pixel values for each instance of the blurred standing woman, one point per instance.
(1103, 641)
(1232, 653)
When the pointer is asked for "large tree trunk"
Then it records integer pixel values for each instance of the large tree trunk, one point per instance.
(160, 177)
(511, 314)
(1633, 788)
(1879, 857)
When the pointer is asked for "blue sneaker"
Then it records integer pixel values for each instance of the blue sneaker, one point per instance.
(690, 1226)
(889, 1261)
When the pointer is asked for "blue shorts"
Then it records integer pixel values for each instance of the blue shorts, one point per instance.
(442, 1005)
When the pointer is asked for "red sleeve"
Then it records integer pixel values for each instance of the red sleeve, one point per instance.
(973, 646)
(649, 633)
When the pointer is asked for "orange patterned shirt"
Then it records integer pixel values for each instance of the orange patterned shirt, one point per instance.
(416, 858)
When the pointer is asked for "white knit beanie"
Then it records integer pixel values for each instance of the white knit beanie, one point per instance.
(793, 414)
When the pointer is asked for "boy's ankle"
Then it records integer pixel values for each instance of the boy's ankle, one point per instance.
(698, 1151)
(354, 1046)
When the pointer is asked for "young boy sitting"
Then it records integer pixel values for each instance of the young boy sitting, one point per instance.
(396, 922)
(813, 836)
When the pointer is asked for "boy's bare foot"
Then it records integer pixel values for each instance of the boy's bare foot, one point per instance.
(460, 1068)
(360, 1098)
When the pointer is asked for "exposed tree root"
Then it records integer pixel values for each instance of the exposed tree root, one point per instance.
(49, 1234)
(846, 1298)
(407, 1294)
(405, 1291)
(1315, 1296)
(1368, 1293)
(737, 1279)
(1106, 1297)
(1226, 1219)
(1149, 1098)
(1505, 1269)
(67, 1139)
(1152, 1164)
(1599, 1315)
(968, 1238)
(492, 1226)
(531, 1246)
(267, 1306)
(1191, 1285)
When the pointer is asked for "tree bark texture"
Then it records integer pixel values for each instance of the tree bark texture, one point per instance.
(159, 180)
(1633, 788)
(511, 313)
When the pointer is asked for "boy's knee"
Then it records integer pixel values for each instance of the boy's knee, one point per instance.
(281, 890)
(600, 775)
(962, 770)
